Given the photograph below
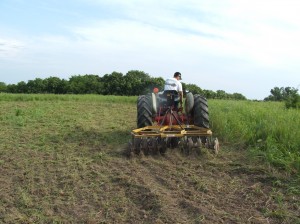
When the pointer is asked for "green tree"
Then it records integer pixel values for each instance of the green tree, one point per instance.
(12, 88)
(148, 85)
(194, 89)
(281, 94)
(289, 92)
(276, 94)
(237, 96)
(293, 101)
(55, 85)
(3, 87)
(209, 94)
(87, 84)
(221, 94)
(114, 84)
(139, 82)
(21, 87)
(36, 86)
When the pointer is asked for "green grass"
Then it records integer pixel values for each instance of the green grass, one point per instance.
(67, 97)
(267, 128)
(61, 161)
(54, 155)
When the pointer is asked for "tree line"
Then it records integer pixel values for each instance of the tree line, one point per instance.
(133, 83)
(288, 95)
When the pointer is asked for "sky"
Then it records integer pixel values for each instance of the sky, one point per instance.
(238, 46)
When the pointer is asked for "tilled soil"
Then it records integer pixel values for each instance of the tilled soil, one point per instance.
(205, 188)
(60, 165)
(108, 187)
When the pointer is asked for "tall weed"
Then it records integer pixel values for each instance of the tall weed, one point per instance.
(270, 130)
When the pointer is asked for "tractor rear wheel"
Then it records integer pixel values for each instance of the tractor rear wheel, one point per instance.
(200, 111)
(144, 111)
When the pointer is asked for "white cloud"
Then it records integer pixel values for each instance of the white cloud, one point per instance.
(10, 48)
(230, 45)
(262, 33)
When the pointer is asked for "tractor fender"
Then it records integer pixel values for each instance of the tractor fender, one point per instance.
(189, 102)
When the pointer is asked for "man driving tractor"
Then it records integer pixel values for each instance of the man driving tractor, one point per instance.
(173, 84)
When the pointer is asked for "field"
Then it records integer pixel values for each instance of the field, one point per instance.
(62, 160)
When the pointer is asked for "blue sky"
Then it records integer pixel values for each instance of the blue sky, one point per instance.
(240, 46)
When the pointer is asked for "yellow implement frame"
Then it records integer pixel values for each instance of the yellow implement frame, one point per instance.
(171, 131)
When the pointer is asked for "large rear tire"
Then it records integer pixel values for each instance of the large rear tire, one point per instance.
(201, 115)
(144, 111)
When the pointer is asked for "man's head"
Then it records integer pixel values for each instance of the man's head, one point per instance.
(177, 75)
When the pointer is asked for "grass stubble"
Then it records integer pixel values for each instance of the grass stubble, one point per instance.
(62, 161)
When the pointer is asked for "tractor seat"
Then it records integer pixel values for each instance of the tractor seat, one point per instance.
(171, 96)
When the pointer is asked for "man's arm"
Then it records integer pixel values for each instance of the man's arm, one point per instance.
(181, 97)
(180, 91)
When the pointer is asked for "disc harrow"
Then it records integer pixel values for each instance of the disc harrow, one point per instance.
(157, 139)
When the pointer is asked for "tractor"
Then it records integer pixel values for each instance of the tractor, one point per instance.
(163, 124)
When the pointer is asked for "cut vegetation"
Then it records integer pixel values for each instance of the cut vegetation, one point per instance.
(62, 161)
